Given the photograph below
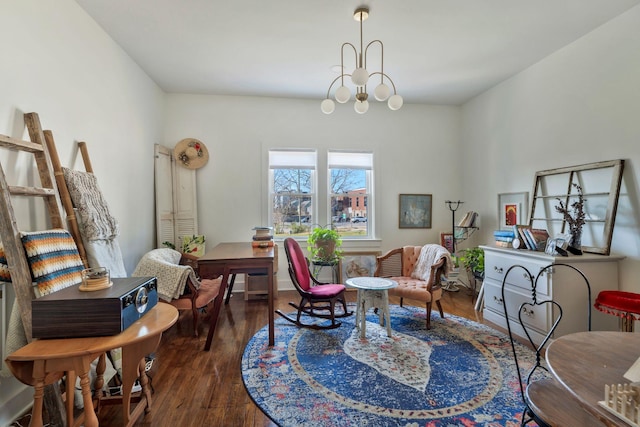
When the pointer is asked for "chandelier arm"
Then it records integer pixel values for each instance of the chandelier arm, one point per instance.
(355, 51)
(382, 76)
(334, 82)
(381, 57)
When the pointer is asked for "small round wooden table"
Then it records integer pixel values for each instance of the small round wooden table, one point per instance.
(372, 293)
(43, 361)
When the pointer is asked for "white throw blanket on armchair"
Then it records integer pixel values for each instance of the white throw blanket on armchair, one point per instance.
(429, 255)
(163, 264)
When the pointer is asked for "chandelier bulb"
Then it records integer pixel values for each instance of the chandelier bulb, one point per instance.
(382, 92)
(327, 106)
(395, 102)
(361, 107)
(360, 76)
(343, 94)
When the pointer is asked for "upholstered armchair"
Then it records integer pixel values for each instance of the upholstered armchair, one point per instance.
(417, 279)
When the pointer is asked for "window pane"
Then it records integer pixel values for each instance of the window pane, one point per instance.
(292, 201)
(291, 215)
(292, 181)
(349, 197)
(345, 180)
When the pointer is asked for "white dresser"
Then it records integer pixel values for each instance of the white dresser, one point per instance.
(563, 284)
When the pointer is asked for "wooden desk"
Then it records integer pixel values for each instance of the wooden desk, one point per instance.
(44, 361)
(229, 259)
(584, 362)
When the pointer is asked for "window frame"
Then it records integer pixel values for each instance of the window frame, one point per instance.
(292, 159)
(353, 160)
(321, 197)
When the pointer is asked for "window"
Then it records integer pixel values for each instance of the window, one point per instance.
(350, 191)
(294, 206)
(292, 188)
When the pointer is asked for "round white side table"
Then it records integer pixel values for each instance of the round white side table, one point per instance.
(372, 293)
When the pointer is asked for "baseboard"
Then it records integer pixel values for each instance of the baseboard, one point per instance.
(282, 286)
(16, 404)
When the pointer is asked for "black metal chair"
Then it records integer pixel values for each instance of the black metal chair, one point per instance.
(546, 402)
(317, 299)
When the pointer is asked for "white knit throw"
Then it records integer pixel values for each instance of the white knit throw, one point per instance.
(94, 218)
(429, 255)
(163, 264)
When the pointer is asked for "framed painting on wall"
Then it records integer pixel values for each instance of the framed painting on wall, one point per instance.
(415, 211)
(446, 240)
(512, 209)
(357, 264)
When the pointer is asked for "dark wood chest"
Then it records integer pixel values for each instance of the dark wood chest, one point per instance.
(71, 313)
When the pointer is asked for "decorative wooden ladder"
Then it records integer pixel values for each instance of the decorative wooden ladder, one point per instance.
(10, 234)
(63, 191)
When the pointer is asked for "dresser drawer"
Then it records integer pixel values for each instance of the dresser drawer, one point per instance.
(563, 285)
(496, 266)
(536, 317)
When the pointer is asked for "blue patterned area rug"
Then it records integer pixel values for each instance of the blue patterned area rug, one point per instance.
(459, 373)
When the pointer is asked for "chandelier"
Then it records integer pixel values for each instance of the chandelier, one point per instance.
(360, 77)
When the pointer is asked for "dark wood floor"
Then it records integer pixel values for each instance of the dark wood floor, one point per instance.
(197, 388)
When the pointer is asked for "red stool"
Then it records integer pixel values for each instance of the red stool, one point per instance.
(622, 304)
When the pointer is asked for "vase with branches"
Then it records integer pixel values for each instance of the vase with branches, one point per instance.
(573, 214)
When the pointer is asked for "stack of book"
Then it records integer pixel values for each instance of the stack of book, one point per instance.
(504, 238)
(534, 239)
(468, 220)
(263, 237)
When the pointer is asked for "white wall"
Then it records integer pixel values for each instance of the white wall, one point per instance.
(415, 151)
(59, 63)
(579, 105)
(85, 88)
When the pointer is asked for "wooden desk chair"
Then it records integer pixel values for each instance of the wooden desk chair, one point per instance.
(201, 296)
(178, 283)
(546, 402)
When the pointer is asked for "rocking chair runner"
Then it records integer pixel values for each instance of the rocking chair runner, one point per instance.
(317, 299)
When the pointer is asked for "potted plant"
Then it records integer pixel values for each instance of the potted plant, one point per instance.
(324, 244)
(473, 260)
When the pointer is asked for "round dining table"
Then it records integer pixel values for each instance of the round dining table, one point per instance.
(584, 362)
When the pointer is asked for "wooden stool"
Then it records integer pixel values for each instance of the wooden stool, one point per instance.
(625, 305)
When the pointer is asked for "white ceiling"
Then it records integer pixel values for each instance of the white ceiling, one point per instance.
(436, 51)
